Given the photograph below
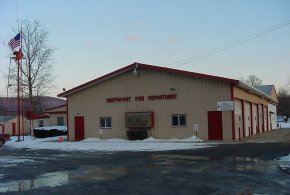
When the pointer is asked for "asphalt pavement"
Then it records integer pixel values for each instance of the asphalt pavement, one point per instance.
(236, 168)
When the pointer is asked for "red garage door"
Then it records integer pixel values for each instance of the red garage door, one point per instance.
(79, 128)
(215, 130)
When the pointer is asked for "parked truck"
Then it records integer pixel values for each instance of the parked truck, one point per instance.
(4, 138)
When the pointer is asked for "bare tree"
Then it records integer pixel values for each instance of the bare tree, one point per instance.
(283, 107)
(37, 70)
(252, 80)
(288, 84)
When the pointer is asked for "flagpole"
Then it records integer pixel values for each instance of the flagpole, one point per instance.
(14, 43)
(18, 99)
(18, 86)
(18, 80)
(22, 89)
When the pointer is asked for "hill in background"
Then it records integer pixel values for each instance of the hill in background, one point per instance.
(41, 104)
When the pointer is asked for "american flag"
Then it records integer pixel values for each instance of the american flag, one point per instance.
(15, 42)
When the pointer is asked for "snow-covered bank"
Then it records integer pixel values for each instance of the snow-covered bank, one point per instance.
(59, 128)
(284, 125)
(284, 163)
(96, 144)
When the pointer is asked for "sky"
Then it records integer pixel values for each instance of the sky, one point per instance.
(96, 37)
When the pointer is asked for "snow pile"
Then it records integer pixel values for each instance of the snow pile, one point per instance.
(190, 139)
(59, 128)
(96, 144)
(284, 163)
(284, 125)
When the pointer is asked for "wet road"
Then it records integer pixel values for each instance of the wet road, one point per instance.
(226, 169)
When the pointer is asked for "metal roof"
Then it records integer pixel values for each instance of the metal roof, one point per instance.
(136, 65)
(254, 90)
(144, 66)
(265, 88)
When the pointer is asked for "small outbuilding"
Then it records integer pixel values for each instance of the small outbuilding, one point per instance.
(166, 103)
(56, 116)
(9, 125)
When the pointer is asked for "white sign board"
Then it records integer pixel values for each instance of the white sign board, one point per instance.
(225, 105)
(195, 127)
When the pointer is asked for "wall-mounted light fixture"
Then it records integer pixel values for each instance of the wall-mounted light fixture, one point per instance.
(135, 70)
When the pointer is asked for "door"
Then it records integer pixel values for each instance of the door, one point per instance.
(272, 121)
(215, 126)
(79, 128)
(261, 125)
(247, 119)
(265, 115)
(13, 128)
(238, 119)
(255, 119)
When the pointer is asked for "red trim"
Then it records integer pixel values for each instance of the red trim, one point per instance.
(233, 114)
(149, 67)
(258, 119)
(39, 117)
(251, 110)
(55, 107)
(57, 112)
(116, 72)
(67, 119)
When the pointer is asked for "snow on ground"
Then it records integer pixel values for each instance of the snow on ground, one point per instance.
(284, 125)
(11, 161)
(284, 163)
(96, 144)
(60, 128)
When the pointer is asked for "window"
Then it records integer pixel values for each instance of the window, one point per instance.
(178, 120)
(40, 123)
(60, 121)
(106, 122)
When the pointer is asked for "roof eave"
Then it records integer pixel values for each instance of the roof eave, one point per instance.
(145, 66)
(97, 80)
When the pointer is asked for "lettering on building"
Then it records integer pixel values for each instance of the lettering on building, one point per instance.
(142, 98)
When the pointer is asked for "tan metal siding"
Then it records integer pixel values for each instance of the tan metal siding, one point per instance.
(60, 109)
(24, 126)
(53, 119)
(247, 96)
(195, 97)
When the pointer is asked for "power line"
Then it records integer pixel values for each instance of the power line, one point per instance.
(229, 45)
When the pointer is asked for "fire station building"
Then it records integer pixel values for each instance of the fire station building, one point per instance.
(168, 103)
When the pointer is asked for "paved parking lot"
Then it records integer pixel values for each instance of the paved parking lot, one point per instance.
(238, 168)
(278, 135)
